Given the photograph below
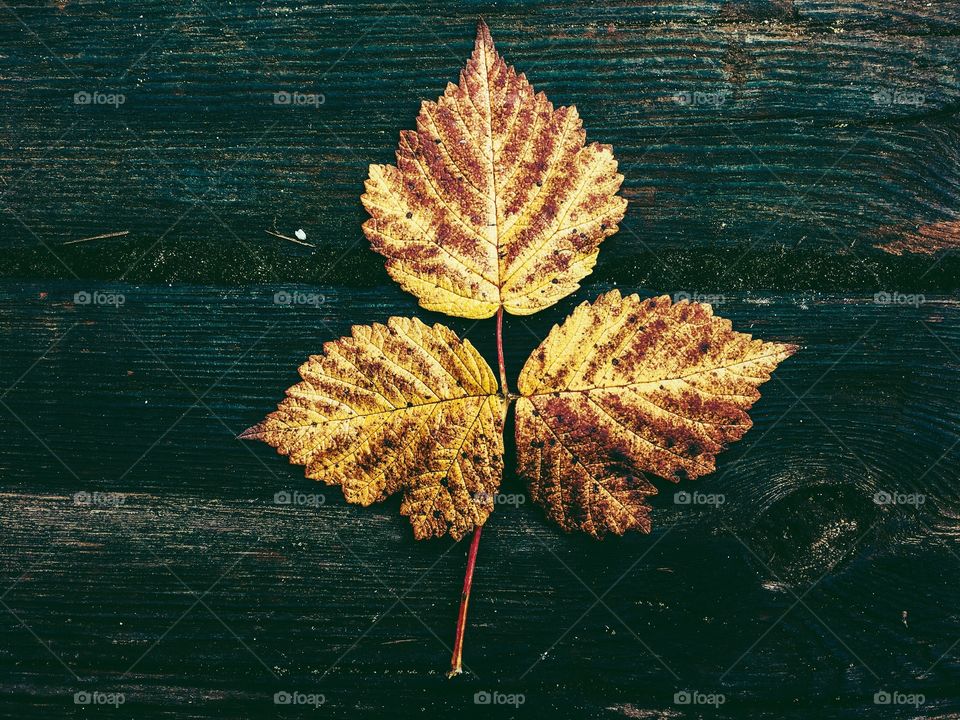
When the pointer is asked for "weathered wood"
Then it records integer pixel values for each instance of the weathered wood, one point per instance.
(109, 395)
(838, 128)
(198, 161)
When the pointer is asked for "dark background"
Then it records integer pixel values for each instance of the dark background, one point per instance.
(198, 596)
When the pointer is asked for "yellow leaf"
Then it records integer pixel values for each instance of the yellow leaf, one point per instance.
(495, 201)
(398, 407)
(626, 387)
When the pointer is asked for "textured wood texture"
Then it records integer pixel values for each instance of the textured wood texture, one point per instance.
(199, 596)
(107, 401)
(785, 144)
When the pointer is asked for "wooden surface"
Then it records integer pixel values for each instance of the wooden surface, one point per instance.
(800, 157)
(102, 585)
(198, 596)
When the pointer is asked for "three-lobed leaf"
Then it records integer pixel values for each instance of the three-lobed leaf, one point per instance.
(627, 387)
(495, 200)
(497, 203)
(398, 407)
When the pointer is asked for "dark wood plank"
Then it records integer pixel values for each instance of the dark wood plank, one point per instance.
(198, 161)
(104, 399)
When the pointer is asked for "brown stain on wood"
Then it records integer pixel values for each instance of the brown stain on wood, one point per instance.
(926, 240)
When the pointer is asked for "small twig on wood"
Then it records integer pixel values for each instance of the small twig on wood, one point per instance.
(98, 237)
(287, 237)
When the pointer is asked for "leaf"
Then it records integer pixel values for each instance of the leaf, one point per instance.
(398, 407)
(626, 387)
(494, 200)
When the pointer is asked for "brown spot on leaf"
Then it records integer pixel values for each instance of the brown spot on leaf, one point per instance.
(495, 227)
(674, 395)
(378, 414)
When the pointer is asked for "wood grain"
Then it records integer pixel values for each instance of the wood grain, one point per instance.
(785, 142)
(814, 130)
(297, 586)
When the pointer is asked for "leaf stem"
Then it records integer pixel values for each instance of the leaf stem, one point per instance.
(503, 367)
(456, 661)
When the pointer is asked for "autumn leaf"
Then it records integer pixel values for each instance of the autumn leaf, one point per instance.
(497, 204)
(628, 387)
(398, 407)
(495, 200)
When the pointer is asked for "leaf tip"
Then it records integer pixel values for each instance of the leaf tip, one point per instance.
(788, 349)
(252, 433)
(484, 42)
